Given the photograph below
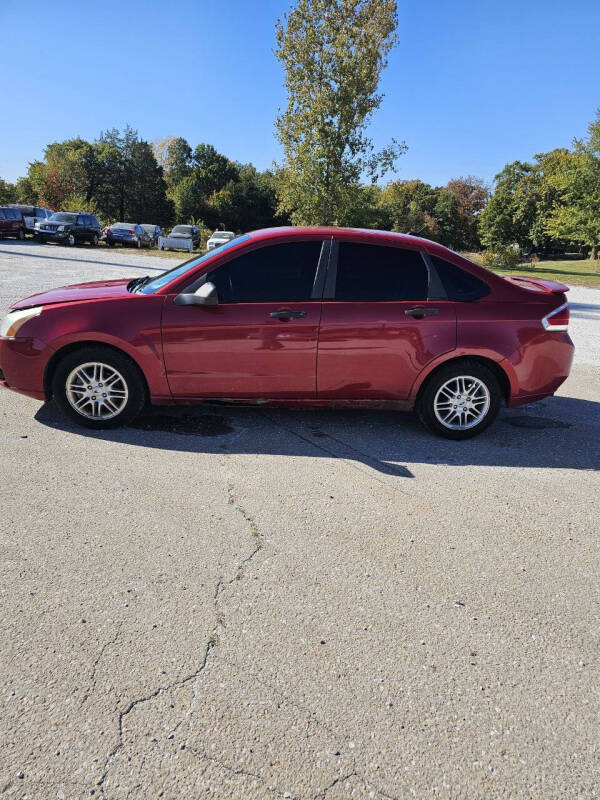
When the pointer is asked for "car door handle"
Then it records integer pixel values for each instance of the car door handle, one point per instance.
(419, 313)
(287, 313)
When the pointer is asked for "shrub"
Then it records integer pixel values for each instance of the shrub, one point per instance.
(501, 257)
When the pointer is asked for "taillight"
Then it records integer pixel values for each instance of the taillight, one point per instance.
(557, 320)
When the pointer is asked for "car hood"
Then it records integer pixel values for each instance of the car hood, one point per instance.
(98, 290)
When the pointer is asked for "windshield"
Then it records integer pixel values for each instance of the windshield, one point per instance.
(223, 235)
(187, 266)
(61, 216)
(182, 229)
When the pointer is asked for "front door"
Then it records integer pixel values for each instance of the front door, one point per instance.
(378, 329)
(261, 338)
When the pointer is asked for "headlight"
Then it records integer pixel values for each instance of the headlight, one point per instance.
(15, 319)
(38, 224)
(60, 228)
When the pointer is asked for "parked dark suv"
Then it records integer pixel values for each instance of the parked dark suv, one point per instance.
(70, 227)
(11, 223)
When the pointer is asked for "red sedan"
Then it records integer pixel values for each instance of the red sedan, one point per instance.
(302, 316)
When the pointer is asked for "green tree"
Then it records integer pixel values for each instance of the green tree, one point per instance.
(333, 53)
(575, 215)
(410, 207)
(508, 217)
(471, 196)
(8, 192)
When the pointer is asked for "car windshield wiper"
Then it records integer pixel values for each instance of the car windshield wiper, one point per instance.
(136, 283)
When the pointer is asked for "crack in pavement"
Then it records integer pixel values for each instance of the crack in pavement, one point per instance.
(240, 771)
(213, 639)
(92, 679)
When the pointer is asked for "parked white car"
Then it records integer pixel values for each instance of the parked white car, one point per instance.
(219, 238)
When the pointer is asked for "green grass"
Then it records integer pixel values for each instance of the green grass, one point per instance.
(573, 272)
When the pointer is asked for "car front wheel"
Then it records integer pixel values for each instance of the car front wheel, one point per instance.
(70, 240)
(98, 388)
(460, 401)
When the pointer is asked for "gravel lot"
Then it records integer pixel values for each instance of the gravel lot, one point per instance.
(256, 603)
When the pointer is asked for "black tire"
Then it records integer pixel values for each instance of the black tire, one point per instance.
(94, 240)
(110, 244)
(139, 244)
(136, 386)
(70, 240)
(21, 234)
(425, 406)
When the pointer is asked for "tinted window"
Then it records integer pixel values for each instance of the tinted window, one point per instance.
(63, 217)
(280, 273)
(459, 284)
(369, 272)
(94, 221)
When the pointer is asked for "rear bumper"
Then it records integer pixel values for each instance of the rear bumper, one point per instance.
(22, 365)
(539, 368)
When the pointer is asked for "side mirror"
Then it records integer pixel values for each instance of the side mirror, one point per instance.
(205, 295)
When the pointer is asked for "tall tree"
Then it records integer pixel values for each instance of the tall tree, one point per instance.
(333, 53)
(576, 216)
(471, 195)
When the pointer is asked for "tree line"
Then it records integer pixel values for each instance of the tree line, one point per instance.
(550, 204)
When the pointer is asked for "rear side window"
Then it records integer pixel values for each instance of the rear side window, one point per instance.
(376, 273)
(459, 284)
(279, 273)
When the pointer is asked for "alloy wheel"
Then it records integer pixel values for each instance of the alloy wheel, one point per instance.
(461, 402)
(97, 391)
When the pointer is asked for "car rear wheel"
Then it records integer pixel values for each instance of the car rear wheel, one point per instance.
(460, 401)
(98, 388)
(21, 234)
(94, 240)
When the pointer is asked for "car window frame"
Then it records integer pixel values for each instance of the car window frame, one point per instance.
(316, 294)
(433, 281)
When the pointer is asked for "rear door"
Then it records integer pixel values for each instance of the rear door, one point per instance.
(378, 327)
(261, 338)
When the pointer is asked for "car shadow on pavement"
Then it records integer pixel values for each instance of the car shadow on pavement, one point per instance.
(558, 433)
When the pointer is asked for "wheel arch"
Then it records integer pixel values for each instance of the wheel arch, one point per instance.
(494, 366)
(67, 349)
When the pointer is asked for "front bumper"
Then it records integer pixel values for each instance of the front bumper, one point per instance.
(57, 236)
(22, 366)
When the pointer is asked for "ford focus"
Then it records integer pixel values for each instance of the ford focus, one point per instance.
(297, 316)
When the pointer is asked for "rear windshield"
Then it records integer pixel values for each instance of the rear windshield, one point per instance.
(123, 226)
(149, 228)
(62, 216)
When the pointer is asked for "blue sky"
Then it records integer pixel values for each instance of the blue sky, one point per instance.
(472, 84)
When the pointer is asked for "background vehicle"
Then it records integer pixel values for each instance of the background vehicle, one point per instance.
(395, 321)
(11, 223)
(186, 232)
(70, 227)
(127, 234)
(32, 214)
(219, 238)
(154, 231)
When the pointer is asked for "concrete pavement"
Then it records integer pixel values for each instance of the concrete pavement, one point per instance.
(297, 604)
